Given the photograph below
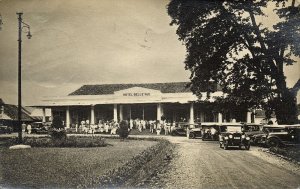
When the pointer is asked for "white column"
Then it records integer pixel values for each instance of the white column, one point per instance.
(143, 112)
(158, 117)
(121, 112)
(51, 117)
(92, 114)
(192, 113)
(44, 115)
(115, 113)
(68, 117)
(249, 117)
(220, 117)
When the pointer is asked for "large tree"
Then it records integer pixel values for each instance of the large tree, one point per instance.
(227, 44)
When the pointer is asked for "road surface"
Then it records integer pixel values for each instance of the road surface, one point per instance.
(202, 164)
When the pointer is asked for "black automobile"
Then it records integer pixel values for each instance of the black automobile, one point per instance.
(5, 129)
(252, 129)
(233, 135)
(210, 131)
(180, 129)
(279, 135)
(194, 130)
(40, 127)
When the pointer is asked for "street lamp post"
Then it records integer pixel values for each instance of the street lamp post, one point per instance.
(21, 25)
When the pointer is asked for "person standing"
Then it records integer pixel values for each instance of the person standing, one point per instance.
(131, 124)
(29, 129)
(23, 127)
(158, 127)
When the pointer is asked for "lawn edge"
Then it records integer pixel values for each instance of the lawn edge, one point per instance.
(140, 169)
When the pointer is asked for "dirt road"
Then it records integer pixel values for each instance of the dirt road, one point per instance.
(199, 164)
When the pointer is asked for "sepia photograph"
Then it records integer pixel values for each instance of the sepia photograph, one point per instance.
(197, 94)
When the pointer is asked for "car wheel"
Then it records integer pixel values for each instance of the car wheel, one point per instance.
(226, 146)
(173, 133)
(240, 146)
(192, 135)
(247, 147)
(273, 142)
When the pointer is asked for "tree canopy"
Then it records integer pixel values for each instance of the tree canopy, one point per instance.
(226, 44)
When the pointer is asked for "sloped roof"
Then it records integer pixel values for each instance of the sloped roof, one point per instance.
(104, 89)
(12, 111)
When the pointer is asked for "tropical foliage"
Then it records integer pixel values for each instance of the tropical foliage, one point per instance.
(226, 44)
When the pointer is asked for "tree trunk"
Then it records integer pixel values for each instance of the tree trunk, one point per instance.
(286, 108)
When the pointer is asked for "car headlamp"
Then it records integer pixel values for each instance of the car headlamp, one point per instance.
(226, 138)
(243, 136)
(293, 136)
(230, 136)
(247, 138)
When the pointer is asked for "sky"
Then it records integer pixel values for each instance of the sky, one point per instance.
(90, 42)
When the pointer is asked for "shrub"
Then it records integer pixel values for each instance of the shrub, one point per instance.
(70, 142)
(130, 173)
(57, 132)
(123, 130)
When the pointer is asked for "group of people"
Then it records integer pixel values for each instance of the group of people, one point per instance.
(102, 127)
(154, 126)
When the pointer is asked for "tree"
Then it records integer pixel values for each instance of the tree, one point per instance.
(226, 44)
(58, 132)
(57, 122)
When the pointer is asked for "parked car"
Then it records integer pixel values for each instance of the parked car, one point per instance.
(180, 129)
(40, 127)
(210, 131)
(5, 129)
(252, 129)
(233, 135)
(275, 136)
(194, 130)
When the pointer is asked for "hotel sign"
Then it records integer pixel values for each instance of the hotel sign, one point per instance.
(136, 94)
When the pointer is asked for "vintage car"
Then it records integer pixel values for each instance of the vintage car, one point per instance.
(232, 134)
(252, 129)
(210, 131)
(40, 127)
(275, 136)
(181, 129)
(5, 129)
(194, 130)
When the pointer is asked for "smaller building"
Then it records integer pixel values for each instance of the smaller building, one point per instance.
(38, 115)
(9, 115)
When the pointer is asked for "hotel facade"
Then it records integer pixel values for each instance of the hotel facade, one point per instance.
(151, 101)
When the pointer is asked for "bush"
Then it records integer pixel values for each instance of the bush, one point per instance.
(57, 132)
(123, 130)
(70, 142)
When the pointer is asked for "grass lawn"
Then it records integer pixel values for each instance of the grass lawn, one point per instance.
(292, 152)
(64, 167)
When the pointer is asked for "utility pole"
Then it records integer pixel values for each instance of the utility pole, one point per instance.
(21, 25)
(20, 77)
